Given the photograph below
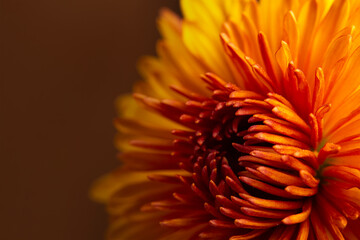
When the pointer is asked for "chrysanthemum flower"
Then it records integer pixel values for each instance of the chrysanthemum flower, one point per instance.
(247, 126)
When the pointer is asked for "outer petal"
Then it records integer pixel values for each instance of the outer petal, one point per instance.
(125, 193)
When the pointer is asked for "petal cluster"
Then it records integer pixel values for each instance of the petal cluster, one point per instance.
(247, 126)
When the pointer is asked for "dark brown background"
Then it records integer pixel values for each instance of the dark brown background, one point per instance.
(63, 62)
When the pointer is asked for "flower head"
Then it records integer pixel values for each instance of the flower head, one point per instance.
(247, 126)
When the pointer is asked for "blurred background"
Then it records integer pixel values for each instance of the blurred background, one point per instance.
(63, 62)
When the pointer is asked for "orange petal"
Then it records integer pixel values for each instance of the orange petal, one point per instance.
(300, 217)
(281, 177)
(272, 204)
(299, 191)
(256, 224)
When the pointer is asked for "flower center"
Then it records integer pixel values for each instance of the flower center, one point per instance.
(250, 157)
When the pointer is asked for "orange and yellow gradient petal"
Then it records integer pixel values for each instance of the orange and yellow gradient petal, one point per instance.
(246, 126)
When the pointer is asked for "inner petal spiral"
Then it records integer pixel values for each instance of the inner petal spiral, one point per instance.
(251, 157)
